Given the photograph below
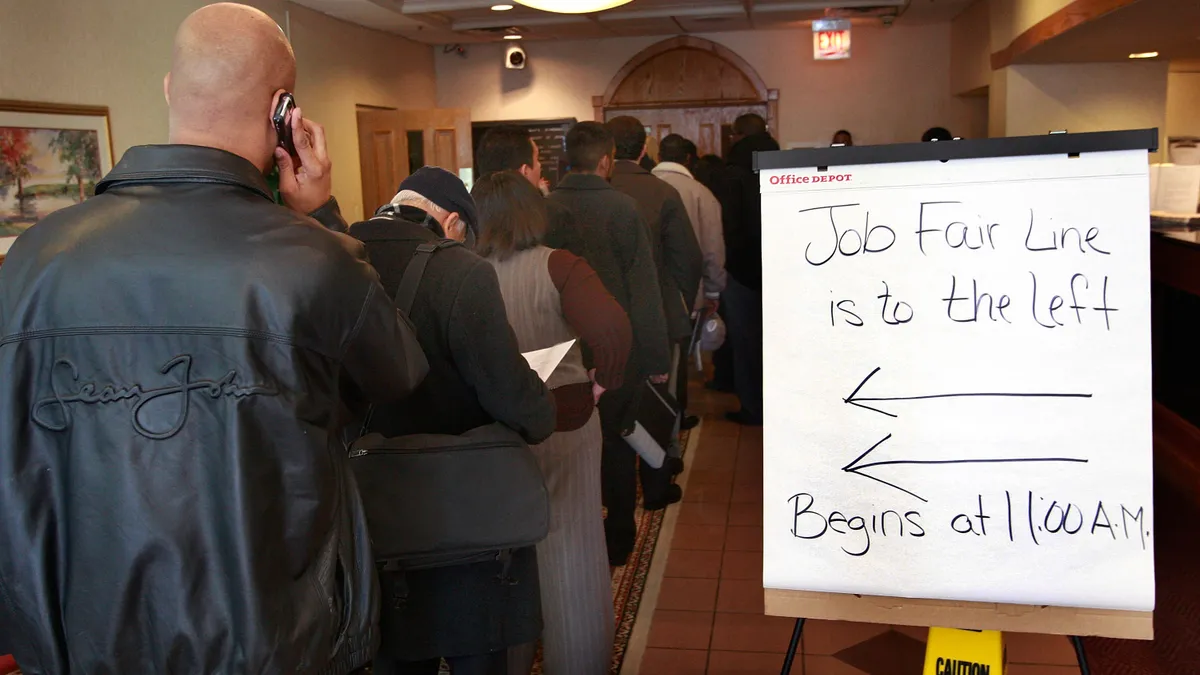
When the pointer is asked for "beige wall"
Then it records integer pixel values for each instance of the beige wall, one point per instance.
(970, 49)
(115, 52)
(1183, 104)
(1085, 97)
(341, 66)
(895, 85)
(998, 104)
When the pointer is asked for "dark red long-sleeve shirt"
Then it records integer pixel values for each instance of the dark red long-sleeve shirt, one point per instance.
(601, 324)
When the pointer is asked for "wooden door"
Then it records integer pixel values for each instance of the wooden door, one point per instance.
(708, 127)
(394, 143)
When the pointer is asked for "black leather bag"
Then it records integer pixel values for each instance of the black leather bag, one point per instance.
(434, 500)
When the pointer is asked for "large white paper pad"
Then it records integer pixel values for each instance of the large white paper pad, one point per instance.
(544, 361)
(957, 380)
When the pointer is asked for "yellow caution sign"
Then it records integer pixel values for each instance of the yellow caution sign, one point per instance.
(950, 651)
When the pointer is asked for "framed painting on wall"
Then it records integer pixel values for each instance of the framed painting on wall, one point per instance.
(51, 156)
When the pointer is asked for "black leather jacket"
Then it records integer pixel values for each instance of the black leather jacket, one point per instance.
(174, 496)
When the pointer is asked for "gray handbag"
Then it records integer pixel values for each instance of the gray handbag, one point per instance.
(436, 500)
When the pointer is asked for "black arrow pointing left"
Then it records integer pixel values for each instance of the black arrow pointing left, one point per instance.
(856, 468)
(863, 401)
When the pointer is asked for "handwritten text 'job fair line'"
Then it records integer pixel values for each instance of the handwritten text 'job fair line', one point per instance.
(1082, 300)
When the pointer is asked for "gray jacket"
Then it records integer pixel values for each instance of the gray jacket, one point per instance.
(704, 211)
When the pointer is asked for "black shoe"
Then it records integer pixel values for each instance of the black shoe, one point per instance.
(674, 465)
(674, 494)
(688, 423)
(741, 418)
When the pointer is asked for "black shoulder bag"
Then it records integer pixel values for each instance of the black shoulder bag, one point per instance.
(435, 500)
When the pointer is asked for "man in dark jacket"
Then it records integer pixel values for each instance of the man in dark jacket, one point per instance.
(743, 261)
(609, 233)
(174, 492)
(677, 254)
(469, 614)
(714, 174)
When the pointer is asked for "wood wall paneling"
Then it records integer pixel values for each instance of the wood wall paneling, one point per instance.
(689, 86)
(1077, 13)
(684, 76)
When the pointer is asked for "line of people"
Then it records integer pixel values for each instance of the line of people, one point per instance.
(184, 363)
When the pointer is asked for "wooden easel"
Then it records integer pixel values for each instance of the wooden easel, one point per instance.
(1069, 621)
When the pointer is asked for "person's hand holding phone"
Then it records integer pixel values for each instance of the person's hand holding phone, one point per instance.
(307, 184)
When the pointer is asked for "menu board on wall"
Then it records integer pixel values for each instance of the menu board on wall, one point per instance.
(957, 383)
(550, 137)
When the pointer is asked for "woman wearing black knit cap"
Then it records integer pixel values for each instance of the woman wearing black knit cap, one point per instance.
(472, 615)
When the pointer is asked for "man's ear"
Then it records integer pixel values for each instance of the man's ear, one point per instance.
(527, 172)
(645, 146)
(604, 168)
(167, 88)
(455, 228)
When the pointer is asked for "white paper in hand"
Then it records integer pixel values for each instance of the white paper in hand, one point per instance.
(544, 361)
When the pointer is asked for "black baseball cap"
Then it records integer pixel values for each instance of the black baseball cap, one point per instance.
(446, 190)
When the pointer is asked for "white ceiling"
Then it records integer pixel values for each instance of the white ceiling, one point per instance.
(465, 21)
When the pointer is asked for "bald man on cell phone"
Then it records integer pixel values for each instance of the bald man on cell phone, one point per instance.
(174, 493)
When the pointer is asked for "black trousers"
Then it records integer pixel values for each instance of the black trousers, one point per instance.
(681, 376)
(746, 332)
(620, 468)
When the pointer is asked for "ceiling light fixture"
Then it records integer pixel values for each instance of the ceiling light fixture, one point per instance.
(512, 37)
(1143, 55)
(573, 6)
(501, 8)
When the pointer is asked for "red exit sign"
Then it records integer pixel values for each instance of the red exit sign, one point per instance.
(831, 40)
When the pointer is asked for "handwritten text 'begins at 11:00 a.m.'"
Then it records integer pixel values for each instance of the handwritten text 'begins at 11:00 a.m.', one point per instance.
(1016, 517)
(846, 231)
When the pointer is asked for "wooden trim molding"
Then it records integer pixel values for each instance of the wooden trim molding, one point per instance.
(1075, 14)
(682, 42)
(773, 111)
(722, 103)
(55, 108)
(968, 615)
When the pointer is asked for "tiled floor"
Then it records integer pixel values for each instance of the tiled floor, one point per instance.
(708, 616)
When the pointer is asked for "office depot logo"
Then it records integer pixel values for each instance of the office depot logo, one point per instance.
(793, 179)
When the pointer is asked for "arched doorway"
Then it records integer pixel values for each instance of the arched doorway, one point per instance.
(688, 86)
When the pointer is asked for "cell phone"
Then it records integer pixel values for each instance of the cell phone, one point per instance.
(282, 119)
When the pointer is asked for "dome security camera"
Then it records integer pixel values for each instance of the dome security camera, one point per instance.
(514, 58)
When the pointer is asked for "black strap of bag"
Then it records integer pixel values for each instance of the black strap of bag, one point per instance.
(406, 292)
